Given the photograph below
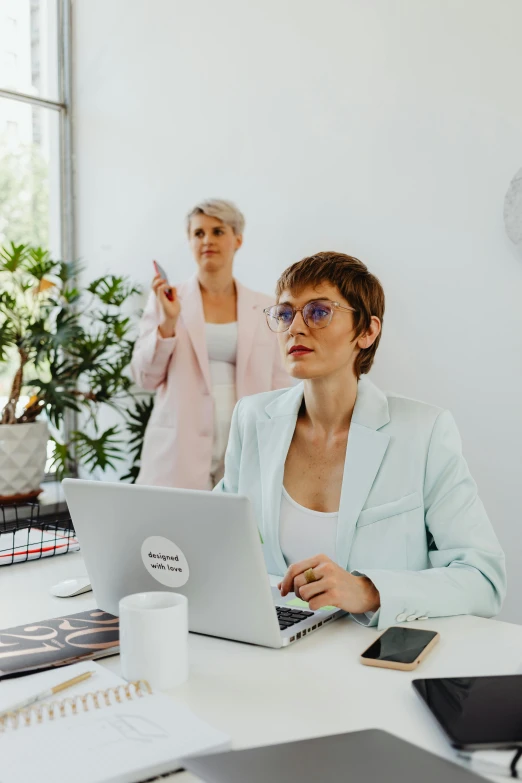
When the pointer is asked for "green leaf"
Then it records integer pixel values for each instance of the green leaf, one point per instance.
(132, 474)
(61, 460)
(7, 339)
(99, 452)
(68, 271)
(67, 330)
(70, 294)
(13, 257)
(136, 424)
(137, 420)
(7, 304)
(113, 289)
(118, 327)
(57, 396)
(37, 340)
(45, 340)
(87, 350)
(38, 263)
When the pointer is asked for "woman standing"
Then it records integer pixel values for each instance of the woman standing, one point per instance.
(202, 346)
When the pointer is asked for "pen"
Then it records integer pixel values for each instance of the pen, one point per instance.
(47, 693)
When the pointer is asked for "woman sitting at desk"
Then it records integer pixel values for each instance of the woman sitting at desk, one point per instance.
(375, 482)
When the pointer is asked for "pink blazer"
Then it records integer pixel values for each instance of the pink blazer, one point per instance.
(177, 450)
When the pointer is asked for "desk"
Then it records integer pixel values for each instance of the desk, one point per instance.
(314, 687)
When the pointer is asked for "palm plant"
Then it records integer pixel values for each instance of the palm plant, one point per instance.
(69, 349)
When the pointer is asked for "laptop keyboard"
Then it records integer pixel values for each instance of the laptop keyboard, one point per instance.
(288, 616)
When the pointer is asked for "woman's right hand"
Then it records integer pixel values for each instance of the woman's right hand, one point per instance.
(170, 308)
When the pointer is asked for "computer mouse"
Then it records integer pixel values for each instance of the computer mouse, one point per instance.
(70, 587)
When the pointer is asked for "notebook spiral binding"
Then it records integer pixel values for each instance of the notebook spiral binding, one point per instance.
(40, 712)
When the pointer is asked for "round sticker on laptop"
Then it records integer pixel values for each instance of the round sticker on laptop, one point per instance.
(165, 561)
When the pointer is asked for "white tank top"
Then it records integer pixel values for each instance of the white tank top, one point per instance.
(222, 352)
(304, 533)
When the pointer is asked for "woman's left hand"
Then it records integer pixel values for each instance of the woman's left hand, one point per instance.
(333, 586)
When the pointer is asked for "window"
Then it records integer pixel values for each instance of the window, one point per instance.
(11, 131)
(10, 68)
(30, 48)
(35, 155)
(30, 194)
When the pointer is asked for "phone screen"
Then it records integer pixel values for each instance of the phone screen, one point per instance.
(402, 645)
(161, 272)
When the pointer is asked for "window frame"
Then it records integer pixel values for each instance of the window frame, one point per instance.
(64, 106)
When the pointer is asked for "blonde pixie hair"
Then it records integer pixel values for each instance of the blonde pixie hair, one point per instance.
(226, 211)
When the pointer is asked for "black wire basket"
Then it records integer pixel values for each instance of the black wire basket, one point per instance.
(24, 536)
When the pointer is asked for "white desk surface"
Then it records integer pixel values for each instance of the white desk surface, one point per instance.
(315, 687)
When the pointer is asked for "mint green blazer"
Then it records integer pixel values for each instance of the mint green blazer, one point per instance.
(410, 518)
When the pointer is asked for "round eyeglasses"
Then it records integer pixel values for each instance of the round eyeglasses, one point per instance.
(316, 314)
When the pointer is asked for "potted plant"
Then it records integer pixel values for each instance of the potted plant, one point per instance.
(68, 350)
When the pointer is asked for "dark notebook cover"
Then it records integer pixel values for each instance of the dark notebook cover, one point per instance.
(58, 642)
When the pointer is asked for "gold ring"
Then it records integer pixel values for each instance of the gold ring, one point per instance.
(310, 576)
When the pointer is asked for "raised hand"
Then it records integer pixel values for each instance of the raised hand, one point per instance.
(171, 308)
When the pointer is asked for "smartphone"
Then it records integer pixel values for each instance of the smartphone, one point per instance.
(161, 272)
(400, 648)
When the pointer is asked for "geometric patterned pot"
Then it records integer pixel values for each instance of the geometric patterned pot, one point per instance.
(23, 453)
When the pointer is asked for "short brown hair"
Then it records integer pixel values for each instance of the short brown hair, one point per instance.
(360, 288)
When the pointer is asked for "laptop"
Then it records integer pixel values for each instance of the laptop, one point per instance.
(366, 756)
(204, 545)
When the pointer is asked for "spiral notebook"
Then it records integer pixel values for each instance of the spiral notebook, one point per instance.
(122, 734)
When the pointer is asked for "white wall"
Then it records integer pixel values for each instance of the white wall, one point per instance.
(389, 130)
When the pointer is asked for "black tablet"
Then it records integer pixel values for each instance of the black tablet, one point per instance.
(476, 713)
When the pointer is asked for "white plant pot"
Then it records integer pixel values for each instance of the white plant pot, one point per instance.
(23, 452)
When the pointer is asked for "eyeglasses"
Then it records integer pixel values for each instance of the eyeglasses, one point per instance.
(316, 314)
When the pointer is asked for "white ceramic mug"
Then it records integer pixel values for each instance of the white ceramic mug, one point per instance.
(154, 638)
